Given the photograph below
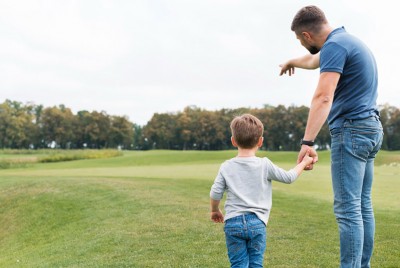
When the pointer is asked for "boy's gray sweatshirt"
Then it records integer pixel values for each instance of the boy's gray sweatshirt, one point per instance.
(248, 184)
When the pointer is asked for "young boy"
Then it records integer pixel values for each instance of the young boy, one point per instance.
(247, 181)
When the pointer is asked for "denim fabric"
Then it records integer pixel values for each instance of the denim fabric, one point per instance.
(353, 151)
(246, 238)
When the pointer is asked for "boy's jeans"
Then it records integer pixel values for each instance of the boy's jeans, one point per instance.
(353, 151)
(246, 241)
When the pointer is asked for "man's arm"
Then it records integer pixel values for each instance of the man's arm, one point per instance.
(308, 61)
(320, 107)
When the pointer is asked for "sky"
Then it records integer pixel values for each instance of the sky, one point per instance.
(140, 57)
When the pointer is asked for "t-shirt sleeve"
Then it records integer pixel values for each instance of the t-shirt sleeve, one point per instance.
(218, 187)
(332, 58)
(279, 174)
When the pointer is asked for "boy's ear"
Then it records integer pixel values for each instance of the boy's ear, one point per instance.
(260, 142)
(233, 142)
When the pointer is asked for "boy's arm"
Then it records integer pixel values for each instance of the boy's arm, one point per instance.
(308, 61)
(216, 213)
(216, 194)
(307, 160)
(279, 174)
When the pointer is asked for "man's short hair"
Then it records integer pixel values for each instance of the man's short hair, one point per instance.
(308, 19)
(247, 130)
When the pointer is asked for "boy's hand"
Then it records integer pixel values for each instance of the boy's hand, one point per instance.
(217, 216)
(311, 153)
(307, 159)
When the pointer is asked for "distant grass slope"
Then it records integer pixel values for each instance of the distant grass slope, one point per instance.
(161, 157)
(26, 158)
(150, 209)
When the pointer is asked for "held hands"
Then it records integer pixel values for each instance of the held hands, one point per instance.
(308, 155)
(217, 216)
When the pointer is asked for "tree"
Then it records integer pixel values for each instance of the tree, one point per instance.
(94, 129)
(121, 132)
(183, 131)
(138, 139)
(277, 129)
(390, 118)
(57, 126)
(160, 131)
(16, 125)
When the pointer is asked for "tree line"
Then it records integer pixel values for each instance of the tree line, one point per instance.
(33, 126)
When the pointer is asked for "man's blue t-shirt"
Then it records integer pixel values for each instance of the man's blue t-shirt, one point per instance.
(356, 92)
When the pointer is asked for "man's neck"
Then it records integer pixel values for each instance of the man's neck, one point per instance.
(327, 29)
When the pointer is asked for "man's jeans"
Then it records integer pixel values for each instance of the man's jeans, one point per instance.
(246, 241)
(353, 151)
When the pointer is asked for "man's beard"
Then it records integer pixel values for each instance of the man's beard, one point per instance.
(313, 50)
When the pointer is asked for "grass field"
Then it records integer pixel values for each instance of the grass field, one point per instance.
(151, 209)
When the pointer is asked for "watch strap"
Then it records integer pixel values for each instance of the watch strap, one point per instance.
(305, 142)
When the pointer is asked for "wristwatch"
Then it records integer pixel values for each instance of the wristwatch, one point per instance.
(309, 143)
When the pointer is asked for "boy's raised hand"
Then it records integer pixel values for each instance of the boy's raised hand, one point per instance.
(217, 216)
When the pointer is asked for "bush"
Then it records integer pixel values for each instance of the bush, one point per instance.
(15, 163)
(61, 156)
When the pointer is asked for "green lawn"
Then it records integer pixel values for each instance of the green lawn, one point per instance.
(150, 209)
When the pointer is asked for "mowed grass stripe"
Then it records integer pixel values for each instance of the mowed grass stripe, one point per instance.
(315, 184)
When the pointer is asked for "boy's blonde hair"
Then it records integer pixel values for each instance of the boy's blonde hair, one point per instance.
(247, 130)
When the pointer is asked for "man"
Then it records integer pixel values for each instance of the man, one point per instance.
(345, 95)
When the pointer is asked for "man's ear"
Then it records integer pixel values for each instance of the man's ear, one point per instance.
(233, 142)
(306, 35)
